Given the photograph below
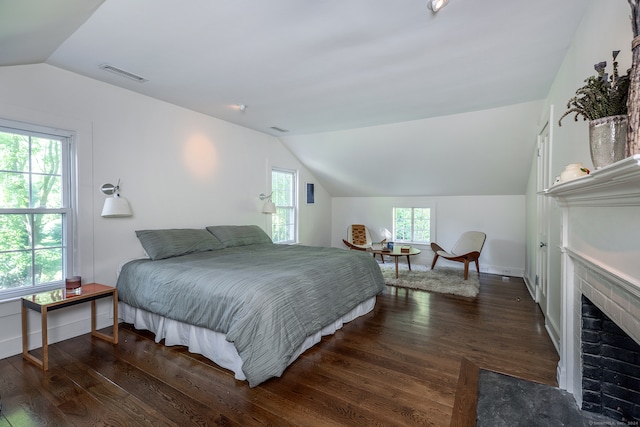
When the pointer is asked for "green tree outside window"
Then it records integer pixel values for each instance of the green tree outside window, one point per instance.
(412, 225)
(32, 211)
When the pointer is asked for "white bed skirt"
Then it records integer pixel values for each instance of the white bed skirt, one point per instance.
(214, 345)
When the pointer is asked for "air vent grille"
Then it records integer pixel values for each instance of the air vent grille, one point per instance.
(123, 73)
(279, 129)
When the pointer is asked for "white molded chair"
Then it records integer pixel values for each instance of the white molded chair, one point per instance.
(466, 249)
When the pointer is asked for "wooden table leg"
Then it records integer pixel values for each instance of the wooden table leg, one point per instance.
(396, 257)
(44, 363)
(93, 317)
(113, 338)
(409, 262)
(115, 316)
(25, 332)
(45, 340)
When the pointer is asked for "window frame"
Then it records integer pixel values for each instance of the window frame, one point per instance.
(432, 224)
(67, 210)
(294, 207)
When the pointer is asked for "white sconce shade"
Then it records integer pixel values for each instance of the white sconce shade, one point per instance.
(268, 207)
(115, 206)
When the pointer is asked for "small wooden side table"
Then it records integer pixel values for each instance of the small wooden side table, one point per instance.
(52, 300)
(397, 253)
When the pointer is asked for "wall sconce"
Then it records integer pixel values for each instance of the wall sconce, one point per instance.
(268, 207)
(115, 206)
(436, 5)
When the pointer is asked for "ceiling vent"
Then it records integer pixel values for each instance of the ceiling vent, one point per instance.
(123, 73)
(279, 129)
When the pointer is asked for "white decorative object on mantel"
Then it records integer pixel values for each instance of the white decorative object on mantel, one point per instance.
(573, 171)
(600, 249)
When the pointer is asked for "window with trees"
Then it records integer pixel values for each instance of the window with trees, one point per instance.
(284, 196)
(413, 225)
(36, 216)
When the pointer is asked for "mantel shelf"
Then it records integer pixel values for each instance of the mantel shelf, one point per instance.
(614, 185)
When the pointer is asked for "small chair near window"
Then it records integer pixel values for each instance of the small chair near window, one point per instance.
(466, 249)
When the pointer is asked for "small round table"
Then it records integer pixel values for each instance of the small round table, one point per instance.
(396, 253)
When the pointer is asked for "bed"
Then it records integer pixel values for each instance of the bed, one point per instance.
(251, 306)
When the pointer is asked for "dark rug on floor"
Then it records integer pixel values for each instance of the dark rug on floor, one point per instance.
(508, 401)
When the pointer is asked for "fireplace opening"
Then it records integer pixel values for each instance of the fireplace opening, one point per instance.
(610, 367)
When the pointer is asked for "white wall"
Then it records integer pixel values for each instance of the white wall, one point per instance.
(490, 149)
(605, 27)
(502, 218)
(177, 168)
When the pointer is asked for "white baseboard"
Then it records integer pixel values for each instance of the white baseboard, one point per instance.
(554, 334)
(531, 288)
(550, 327)
(13, 345)
(500, 271)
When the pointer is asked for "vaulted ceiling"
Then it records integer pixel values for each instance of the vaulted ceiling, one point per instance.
(337, 75)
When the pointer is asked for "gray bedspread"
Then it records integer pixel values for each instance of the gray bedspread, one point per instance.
(266, 298)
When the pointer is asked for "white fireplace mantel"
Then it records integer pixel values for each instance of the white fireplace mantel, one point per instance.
(614, 185)
(600, 250)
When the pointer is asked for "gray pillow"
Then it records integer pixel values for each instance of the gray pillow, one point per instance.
(239, 235)
(160, 244)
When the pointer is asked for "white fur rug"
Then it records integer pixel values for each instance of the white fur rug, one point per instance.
(445, 280)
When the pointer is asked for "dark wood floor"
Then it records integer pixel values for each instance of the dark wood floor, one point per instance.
(396, 366)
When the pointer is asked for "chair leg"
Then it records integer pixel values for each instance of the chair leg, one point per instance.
(466, 270)
(477, 266)
(381, 257)
(435, 258)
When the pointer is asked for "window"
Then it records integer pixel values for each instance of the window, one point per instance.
(36, 217)
(284, 226)
(412, 225)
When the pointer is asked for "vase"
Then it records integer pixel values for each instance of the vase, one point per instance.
(607, 140)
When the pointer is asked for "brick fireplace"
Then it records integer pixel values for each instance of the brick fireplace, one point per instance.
(610, 367)
(600, 249)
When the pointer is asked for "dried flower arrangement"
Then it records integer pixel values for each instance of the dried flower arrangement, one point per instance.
(601, 96)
